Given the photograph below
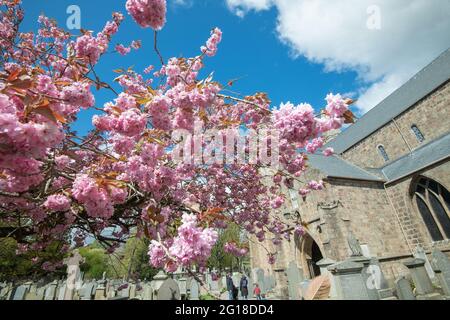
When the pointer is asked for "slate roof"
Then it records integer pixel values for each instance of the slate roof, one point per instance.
(435, 151)
(335, 166)
(423, 83)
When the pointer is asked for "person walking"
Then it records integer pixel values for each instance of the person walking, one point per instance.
(230, 287)
(243, 286)
(257, 292)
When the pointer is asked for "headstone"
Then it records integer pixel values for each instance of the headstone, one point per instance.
(224, 282)
(260, 280)
(50, 292)
(133, 289)
(214, 285)
(125, 291)
(294, 278)
(73, 274)
(31, 291)
(87, 291)
(157, 282)
(419, 276)
(419, 253)
(148, 292)
(194, 290)
(440, 279)
(169, 290)
(20, 292)
(62, 292)
(100, 291)
(441, 262)
(236, 279)
(404, 290)
(208, 280)
(40, 293)
(182, 284)
(369, 276)
(251, 287)
(349, 281)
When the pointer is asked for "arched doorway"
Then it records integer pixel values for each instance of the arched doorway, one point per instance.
(310, 254)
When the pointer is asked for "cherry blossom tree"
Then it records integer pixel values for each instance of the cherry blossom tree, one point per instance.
(122, 178)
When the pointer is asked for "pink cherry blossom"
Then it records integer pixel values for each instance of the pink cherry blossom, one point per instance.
(148, 13)
(57, 202)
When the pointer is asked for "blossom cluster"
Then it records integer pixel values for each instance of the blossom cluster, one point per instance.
(192, 243)
(148, 13)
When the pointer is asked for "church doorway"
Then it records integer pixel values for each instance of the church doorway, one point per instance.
(310, 254)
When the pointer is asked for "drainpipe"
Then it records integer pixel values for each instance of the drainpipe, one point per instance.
(398, 219)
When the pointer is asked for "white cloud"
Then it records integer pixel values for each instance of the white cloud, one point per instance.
(241, 6)
(335, 33)
(183, 3)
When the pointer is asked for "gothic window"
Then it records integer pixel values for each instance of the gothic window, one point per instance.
(433, 202)
(419, 136)
(383, 153)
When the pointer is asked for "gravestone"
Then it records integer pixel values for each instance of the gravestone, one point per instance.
(349, 281)
(419, 276)
(369, 276)
(31, 294)
(62, 292)
(20, 292)
(100, 290)
(404, 290)
(440, 279)
(124, 292)
(169, 290)
(148, 292)
(73, 281)
(208, 280)
(251, 287)
(294, 278)
(194, 290)
(40, 293)
(260, 280)
(182, 284)
(50, 292)
(157, 282)
(214, 285)
(133, 289)
(87, 291)
(268, 283)
(419, 253)
(224, 282)
(236, 279)
(441, 262)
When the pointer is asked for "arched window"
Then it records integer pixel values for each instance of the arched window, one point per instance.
(383, 153)
(433, 202)
(419, 136)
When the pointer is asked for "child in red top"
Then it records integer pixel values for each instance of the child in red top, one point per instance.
(257, 292)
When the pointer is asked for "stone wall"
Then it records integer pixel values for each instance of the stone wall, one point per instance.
(344, 206)
(401, 194)
(431, 115)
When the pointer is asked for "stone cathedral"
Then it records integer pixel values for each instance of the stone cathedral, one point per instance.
(387, 185)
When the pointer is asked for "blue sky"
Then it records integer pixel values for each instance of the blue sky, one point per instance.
(251, 48)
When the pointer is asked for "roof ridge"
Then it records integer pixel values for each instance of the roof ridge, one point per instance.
(424, 82)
